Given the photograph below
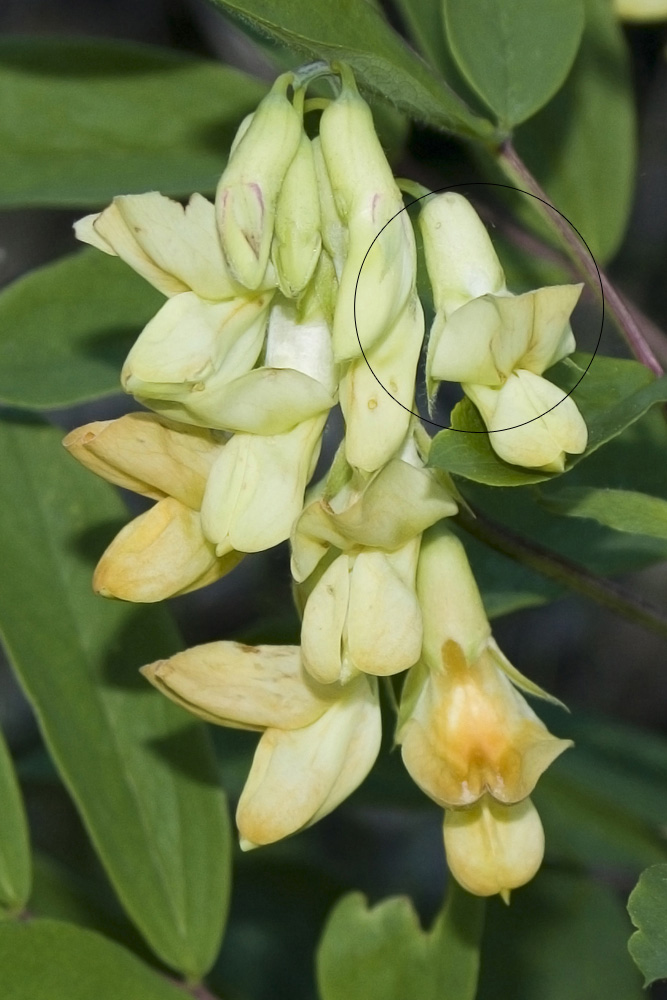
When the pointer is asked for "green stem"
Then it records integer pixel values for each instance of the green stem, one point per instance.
(627, 323)
(456, 938)
(556, 567)
(413, 188)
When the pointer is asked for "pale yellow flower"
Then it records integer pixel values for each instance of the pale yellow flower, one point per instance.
(164, 551)
(498, 345)
(318, 741)
(468, 737)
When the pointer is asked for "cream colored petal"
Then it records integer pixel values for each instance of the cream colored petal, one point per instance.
(324, 621)
(147, 454)
(377, 392)
(532, 422)
(551, 336)
(112, 230)
(451, 604)
(255, 490)
(246, 687)
(301, 339)
(465, 731)
(84, 230)
(493, 848)
(469, 346)
(395, 505)
(158, 555)
(182, 241)
(264, 401)
(300, 776)
(190, 340)
(384, 624)
(461, 261)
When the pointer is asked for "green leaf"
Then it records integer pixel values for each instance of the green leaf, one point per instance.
(647, 907)
(424, 21)
(66, 328)
(383, 954)
(356, 32)
(516, 55)
(140, 770)
(373, 954)
(562, 938)
(50, 960)
(622, 510)
(82, 120)
(15, 875)
(61, 893)
(582, 146)
(611, 396)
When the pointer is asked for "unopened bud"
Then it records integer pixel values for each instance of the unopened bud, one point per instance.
(248, 190)
(297, 238)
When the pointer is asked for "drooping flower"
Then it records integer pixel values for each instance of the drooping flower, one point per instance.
(318, 741)
(469, 738)
(164, 551)
(498, 345)
(359, 606)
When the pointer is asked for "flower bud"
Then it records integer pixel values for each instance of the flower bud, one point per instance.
(544, 442)
(176, 249)
(334, 232)
(380, 268)
(248, 190)
(460, 258)
(160, 554)
(297, 238)
(493, 848)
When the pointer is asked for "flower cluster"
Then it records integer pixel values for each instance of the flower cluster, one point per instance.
(295, 291)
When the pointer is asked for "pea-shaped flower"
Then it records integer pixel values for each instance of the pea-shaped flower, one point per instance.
(498, 345)
(359, 606)
(467, 734)
(164, 551)
(318, 741)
